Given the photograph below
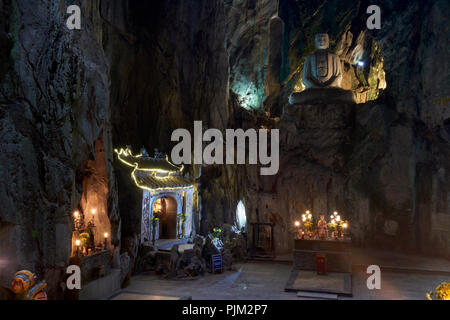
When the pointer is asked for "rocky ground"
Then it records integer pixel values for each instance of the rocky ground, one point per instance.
(266, 281)
(193, 259)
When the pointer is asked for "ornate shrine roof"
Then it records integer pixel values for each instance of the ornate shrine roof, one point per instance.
(154, 182)
(153, 173)
(143, 162)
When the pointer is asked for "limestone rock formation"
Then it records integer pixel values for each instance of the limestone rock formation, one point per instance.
(54, 96)
(389, 168)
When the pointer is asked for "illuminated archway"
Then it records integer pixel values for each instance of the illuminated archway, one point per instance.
(165, 208)
(241, 217)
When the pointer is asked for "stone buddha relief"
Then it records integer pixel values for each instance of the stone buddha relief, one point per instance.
(322, 69)
(322, 77)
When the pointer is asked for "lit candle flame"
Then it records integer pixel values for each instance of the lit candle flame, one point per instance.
(76, 214)
(77, 243)
(93, 211)
(297, 223)
(106, 235)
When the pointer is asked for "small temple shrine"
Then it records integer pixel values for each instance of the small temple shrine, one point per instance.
(167, 201)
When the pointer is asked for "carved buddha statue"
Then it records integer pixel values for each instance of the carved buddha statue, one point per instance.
(322, 76)
(322, 69)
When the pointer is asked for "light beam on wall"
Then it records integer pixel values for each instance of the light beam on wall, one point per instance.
(241, 217)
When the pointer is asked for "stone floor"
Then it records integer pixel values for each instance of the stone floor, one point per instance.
(266, 281)
(399, 261)
(390, 261)
(166, 244)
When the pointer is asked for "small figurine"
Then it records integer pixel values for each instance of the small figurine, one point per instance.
(26, 287)
(322, 229)
(299, 234)
(308, 223)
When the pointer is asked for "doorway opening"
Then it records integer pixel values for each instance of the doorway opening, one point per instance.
(166, 208)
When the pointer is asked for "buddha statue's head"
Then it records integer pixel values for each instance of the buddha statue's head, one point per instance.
(322, 41)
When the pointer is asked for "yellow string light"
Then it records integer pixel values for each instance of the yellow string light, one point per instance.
(127, 152)
(154, 190)
(135, 165)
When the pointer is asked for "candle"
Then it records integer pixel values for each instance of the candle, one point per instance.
(93, 211)
(78, 243)
(345, 225)
(76, 220)
(106, 240)
(297, 224)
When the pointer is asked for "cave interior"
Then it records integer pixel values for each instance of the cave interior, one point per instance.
(79, 109)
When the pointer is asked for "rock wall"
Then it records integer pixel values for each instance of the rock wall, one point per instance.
(358, 160)
(388, 175)
(54, 102)
(169, 67)
(247, 23)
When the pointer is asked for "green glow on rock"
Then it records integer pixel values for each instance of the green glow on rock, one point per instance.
(250, 97)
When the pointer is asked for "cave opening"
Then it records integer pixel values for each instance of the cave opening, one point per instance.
(92, 217)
